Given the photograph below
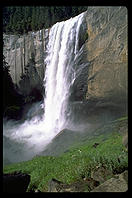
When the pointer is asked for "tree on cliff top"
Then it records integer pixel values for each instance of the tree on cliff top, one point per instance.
(18, 20)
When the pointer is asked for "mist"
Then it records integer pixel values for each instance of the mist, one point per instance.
(42, 122)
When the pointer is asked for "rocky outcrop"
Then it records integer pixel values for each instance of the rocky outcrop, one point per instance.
(119, 184)
(78, 186)
(101, 174)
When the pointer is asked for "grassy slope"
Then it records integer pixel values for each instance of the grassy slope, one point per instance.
(79, 161)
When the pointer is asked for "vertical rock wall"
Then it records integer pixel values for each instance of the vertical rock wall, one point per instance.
(25, 55)
(101, 65)
(107, 52)
(105, 57)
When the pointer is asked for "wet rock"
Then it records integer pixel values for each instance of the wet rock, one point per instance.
(64, 139)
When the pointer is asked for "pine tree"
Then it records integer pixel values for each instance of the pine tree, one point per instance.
(24, 19)
(33, 21)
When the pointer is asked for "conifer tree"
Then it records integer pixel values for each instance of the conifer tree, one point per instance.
(23, 19)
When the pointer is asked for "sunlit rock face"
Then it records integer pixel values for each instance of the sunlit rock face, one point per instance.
(100, 66)
(107, 53)
(101, 87)
(25, 56)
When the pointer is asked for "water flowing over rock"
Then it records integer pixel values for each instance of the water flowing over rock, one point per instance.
(84, 64)
(62, 49)
(104, 81)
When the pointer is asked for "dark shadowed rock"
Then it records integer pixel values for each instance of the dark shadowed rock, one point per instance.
(16, 182)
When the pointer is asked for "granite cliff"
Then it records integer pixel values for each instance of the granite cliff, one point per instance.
(107, 53)
(25, 56)
(101, 80)
(103, 85)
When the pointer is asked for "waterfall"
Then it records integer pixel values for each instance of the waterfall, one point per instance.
(33, 135)
(62, 49)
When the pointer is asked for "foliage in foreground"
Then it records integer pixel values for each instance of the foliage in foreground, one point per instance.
(75, 164)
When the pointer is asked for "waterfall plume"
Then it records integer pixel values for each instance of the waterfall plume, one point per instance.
(25, 140)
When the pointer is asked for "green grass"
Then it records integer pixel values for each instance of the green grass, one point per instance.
(75, 164)
(122, 118)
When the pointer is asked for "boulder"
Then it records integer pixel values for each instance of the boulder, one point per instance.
(124, 176)
(101, 174)
(84, 185)
(16, 182)
(119, 184)
(54, 185)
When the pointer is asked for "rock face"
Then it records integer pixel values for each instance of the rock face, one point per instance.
(25, 56)
(119, 184)
(104, 78)
(107, 54)
(101, 64)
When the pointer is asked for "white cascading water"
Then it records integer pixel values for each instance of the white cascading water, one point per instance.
(59, 76)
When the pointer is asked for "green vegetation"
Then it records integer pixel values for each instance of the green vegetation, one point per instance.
(77, 163)
(86, 36)
(19, 20)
